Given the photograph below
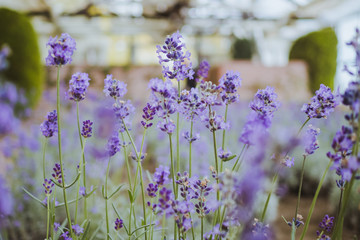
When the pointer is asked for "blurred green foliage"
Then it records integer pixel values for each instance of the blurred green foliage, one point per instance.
(319, 50)
(25, 67)
(242, 49)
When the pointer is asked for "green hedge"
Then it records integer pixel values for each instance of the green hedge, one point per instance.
(319, 50)
(242, 49)
(25, 67)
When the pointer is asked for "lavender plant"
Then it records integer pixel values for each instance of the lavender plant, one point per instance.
(178, 200)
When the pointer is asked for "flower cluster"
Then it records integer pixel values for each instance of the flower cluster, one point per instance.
(149, 112)
(325, 225)
(173, 53)
(228, 85)
(48, 184)
(61, 50)
(86, 130)
(78, 85)
(49, 126)
(113, 145)
(57, 173)
(203, 71)
(191, 104)
(118, 224)
(310, 140)
(322, 104)
(113, 87)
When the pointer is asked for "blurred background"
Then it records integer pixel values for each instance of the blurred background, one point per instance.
(291, 45)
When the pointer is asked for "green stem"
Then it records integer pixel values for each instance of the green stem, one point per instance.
(223, 136)
(78, 185)
(106, 200)
(138, 156)
(178, 139)
(131, 208)
(238, 158)
(163, 227)
(190, 144)
(48, 217)
(302, 126)
(53, 215)
(312, 206)
(217, 179)
(202, 228)
(60, 150)
(43, 162)
(172, 170)
(269, 196)
(299, 194)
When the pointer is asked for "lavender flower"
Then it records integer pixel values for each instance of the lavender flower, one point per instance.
(82, 191)
(298, 221)
(113, 145)
(173, 52)
(325, 225)
(165, 200)
(203, 71)
(61, 50)
(288, 161)
(118, 224)
(77, 229)
(113, 87)
(78, 85)
(56, 226)
(86, 130)
(48, 184)
(6, 200)
(57, 173)
(161, 175)
(228, 84)
(149, 112)
(191, 104)
(310, 141)
(66, 236)
(265, 103)
(257, 231)
(209, 93)
(355, 43)
(49, 126)
(223, 155)
(123, 109)
(215, 122)
(166, 126)
(195, 136)
(351, 97)
(322, 104)
(162, 88)
(216, 231)
(152, 190)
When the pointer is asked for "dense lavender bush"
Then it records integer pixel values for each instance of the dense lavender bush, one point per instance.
(182, 168)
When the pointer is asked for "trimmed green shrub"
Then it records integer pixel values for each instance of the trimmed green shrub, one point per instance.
(242, 49)
(319, 50)
(25, 67)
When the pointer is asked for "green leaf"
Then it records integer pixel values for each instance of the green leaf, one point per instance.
(115, 191)
(87, 227)
(130, 196)
(144, 226)
(229, 158)
(97, 230)
(33, 197)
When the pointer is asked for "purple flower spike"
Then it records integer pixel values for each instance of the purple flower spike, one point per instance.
(118, 224)
(166, 126)
(77, 229)
(57, 173)
(152, 190)
(228, 85)
(78, 85)
(61, 50)
(310, 140)
(265, 102)
(66, 236)
(149, 112)
(322, 104)
(49, 126)
(161, 175)
(325, 225)
(87, 129)
(48, 184)
(114, 88)
(172, 57)
(203, 71)
(113, 145)
(288, 161)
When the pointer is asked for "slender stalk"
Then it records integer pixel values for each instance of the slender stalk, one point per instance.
(190, 144)
(127, 162)
(299, 194)
(131, 209)
(48, 217)
(238, 158)
(60, 150)
(83, 158)
(43, 160)
(269, 196)
(163, 226)
(53, 216)
(78, 185)
(106, 200)
(172, 170)
(217, 179)
(340, 201)
(178, 140)
(138, 155)
(223, 136)
(202, 228)
(302, 126)
(312, 206)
